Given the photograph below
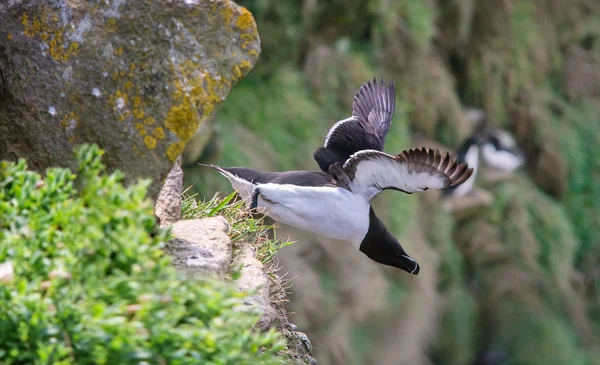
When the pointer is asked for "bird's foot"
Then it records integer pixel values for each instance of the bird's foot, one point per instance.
(254, 202)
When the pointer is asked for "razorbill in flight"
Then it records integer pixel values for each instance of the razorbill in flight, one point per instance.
(336, 202)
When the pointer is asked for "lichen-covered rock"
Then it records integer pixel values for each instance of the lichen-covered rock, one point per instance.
(137, 77)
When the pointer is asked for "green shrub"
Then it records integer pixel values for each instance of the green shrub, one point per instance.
(91, 284)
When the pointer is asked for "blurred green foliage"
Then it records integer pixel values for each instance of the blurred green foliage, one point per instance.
(91, 284)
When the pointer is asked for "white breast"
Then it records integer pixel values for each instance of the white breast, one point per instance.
(329, 212)
(503, 160)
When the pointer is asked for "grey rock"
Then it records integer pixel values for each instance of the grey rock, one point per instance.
(201, 247)
(254, 280)
(136, 77)
(168, 203)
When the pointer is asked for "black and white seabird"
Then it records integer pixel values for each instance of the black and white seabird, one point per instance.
(336, 202)
(500, 151)
(497, 147)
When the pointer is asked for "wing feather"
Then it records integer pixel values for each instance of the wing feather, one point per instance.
(372, 111)
(371, 171)
(374, 105)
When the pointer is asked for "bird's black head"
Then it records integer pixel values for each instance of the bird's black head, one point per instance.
(394, 257)
(380, 246)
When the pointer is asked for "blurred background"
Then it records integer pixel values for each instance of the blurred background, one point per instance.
(510, 272)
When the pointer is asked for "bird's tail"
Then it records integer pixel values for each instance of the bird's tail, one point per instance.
(243, 187)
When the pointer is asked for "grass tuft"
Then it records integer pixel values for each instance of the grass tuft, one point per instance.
(244, 226)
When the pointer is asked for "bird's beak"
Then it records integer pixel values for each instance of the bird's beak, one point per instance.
(407, 264)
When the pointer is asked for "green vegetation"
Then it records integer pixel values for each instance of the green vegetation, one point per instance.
(243, 225)
(91, 285)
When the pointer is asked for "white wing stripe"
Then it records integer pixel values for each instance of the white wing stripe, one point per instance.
(335, 126)
(364, 152)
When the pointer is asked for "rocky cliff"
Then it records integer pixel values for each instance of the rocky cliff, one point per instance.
(220, 239)
(137, 77)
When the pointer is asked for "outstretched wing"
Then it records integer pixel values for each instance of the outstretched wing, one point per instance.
(374, 105)
(372, 111)
(371, 172)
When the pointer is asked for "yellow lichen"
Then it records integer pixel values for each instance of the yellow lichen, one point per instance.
(150, 142)
(245, 21)
(127, 101)
(174, 150)
(49, 29)
(9, 36)
(237, 72)
(159, 133)
(114, 99)
(65, 119)
(111, 24)
(253, 52)
(183, 119)
(124, 115)
(119, 51)
(138, 113)
(70, 122)
(246, 64)
(227, 14)
(196, 93)
(238, 69)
